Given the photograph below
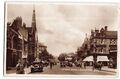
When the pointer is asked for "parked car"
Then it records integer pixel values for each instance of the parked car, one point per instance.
(70, 64)
(62, 64)
(45, 63)
(37, 66)
(77, 64)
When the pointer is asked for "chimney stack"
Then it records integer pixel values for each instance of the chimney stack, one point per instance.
(105, 28)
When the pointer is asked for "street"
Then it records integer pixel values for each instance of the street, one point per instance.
(81, 40)
(56, 70)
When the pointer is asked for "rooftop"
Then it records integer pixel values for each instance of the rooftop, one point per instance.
(111, 34)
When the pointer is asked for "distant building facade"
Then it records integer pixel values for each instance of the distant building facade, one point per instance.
(16, 49)
(101, 43)
(104, 43)
(40, 49)
(84, 50)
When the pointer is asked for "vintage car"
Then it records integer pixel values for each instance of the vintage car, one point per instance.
(78, 64)
(70, 64)
(62, 64)
(36, 66)
(45, 63)
(66, 63)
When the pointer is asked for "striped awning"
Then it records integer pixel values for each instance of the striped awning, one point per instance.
(102, 58)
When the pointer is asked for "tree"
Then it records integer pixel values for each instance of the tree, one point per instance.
(51, 56)
(62, 57)
(44, 55)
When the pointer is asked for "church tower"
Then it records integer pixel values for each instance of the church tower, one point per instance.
(34, 21)
(34, 33)
(32, 39)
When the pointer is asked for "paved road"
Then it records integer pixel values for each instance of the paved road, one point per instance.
(72, 71)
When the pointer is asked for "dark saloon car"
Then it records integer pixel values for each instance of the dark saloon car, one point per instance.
(62, 64)
(78, 64)
(70, 64)
(36, 66)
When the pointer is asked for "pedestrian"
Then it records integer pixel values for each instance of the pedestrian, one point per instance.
(20, 68)
(101, 65)
(80, 64)
(93, 66)
(85, 65)
(28, 64)
(51, 64)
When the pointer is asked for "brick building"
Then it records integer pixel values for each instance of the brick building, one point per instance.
(16, 48)
(104, 43)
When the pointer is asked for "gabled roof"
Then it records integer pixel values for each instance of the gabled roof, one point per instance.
(23, 31)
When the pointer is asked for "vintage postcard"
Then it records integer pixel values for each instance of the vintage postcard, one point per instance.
(76, 39)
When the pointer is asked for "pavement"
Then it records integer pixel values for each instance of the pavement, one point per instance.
(13, 71)
(105, 68)
(109, 69)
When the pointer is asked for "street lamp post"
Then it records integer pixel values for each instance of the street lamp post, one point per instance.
(95, 54)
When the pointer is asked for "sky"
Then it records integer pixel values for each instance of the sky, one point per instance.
(63, 27)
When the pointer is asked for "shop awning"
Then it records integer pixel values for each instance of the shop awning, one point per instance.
(113, 50)
(102, 58)
(69, 58)
(89, 58)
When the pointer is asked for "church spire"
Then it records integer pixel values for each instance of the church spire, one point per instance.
(34, 19)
